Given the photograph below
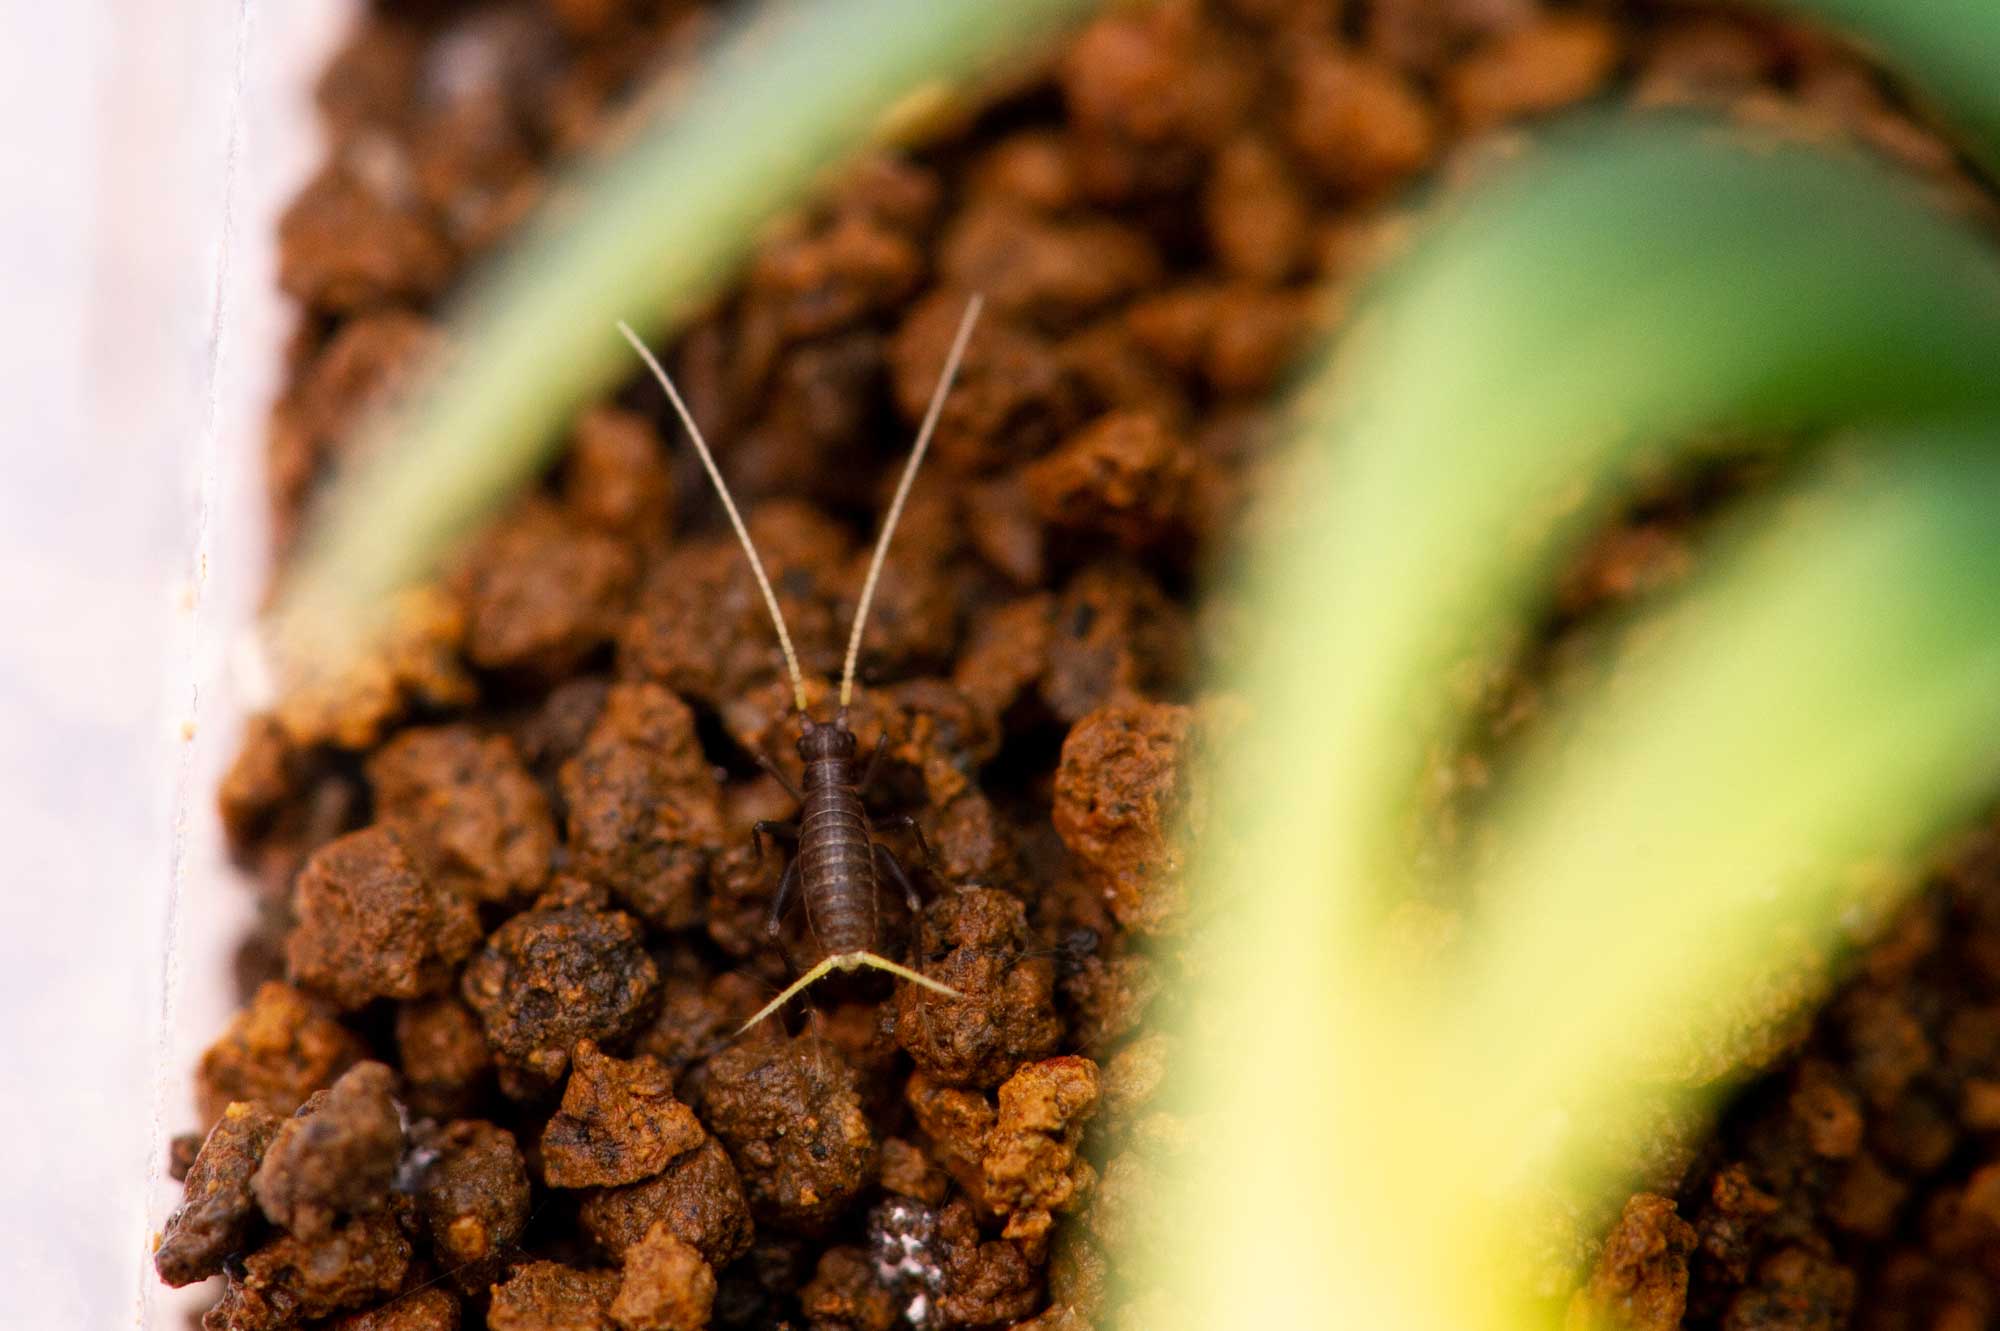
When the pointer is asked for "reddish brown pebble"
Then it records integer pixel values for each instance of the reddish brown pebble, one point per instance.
(619, 1123)
(792, 1120)
(466, 809)
(1539, 68)
(342, 247)
(1013, 396)
(1126, 1215)
(368, 79)
(909, 1173)
(1712, 60)
(1868, 1199)
(548, 1296)
(1045, 272)
(957, 1122)
(267, 773)
(1135, 1073)
(291, 1280)
(555, 731)
(818, 404)
(617, 479)
(932, 730)
(844, 1292)
(1031, 168)
(1115, 373)
(336, 1157)
(830, 278)
(1057, 1317)
(1640, 1280)
(1002, 527)
(1257, 217)
(415, 661)
(887, 187)
(1917, 1135)
(182, 1148)
(666, 1286)
(699, 626)
(913, 621)
(218, 1209)
(1796, 1290)
(1002, 1015)
(1110, 994)
(422, 1310)
(1980, 1105)
(323, 800)
(1079, 1273)
(986, 1282)
(1829, 1114)
(644, 805)
(1729, 1225)
(473, 1197)
(699, 1198)
(565, 971)
(1031, 1165)
(1357, 123)
(696, 1017)
(1238, 338)
(444, 1060)
(1115, 635)
(1122, 806)
(1006, 651)
(1125, 476)
(1149, 93)
(276, 1052)
(1889, 1045)
(543, 592)
(371, 925)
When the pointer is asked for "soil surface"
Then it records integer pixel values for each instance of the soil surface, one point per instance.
(485, 1072)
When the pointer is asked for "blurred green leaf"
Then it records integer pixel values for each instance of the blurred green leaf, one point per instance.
(1945, 51)
(1600, 312)
(1385, 1083)
(644, 237)
(1756, 775)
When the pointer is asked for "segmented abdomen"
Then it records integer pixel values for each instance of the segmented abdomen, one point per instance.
(837, 863)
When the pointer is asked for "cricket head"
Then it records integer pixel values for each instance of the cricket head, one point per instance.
(825, 739)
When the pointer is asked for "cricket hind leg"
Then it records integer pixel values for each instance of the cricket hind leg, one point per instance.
(891, 869)
(909, 824)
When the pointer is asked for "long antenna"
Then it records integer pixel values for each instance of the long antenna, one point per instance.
(929, 427)
(729, 504)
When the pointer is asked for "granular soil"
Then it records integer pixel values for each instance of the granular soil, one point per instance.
(485, 1074)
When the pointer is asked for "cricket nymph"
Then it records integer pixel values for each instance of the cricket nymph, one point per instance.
(837, 867)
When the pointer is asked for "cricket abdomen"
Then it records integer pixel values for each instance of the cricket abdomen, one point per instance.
(837, 861)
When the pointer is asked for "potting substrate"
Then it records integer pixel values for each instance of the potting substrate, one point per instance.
(486, 1070)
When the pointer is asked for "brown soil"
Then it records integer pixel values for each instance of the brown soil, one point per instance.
(510, 890)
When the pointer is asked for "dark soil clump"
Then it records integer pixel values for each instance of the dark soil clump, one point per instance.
(510, 859)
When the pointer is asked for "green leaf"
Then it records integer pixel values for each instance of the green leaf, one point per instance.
(1592, 315)
(644, 237)
(1383, 1085)
(1385, 1116)
(1945, 51)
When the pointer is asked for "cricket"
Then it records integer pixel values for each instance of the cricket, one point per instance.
(837, 870)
